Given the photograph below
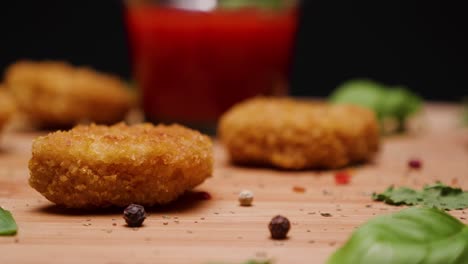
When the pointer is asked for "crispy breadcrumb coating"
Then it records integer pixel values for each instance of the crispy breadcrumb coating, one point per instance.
(99, 166)
(58, 94)
(293, 134)
(7, 107)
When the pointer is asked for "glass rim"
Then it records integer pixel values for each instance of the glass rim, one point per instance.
(212, 5)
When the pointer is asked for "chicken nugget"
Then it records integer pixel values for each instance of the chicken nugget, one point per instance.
(57, 94)
(293, 134)
(98, 166)
(7, 107)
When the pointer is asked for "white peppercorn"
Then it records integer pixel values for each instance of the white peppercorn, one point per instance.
(246, 198)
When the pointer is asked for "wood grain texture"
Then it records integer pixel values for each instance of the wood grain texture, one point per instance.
(219, 229)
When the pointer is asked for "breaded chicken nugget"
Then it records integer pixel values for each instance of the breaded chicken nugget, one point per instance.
(6, 107)
(99, 166)
(57, 94)
(292, 134)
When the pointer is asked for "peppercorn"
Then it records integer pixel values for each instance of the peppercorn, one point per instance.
(342, 178)
(246, 198)
(134, 215)
(414, 164)
(279, 227)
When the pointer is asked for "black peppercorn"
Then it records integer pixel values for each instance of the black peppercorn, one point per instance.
(279, 227)
(134, 215)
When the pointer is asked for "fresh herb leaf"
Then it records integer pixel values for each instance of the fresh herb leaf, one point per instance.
(263, 4)
(7, 223)
(398, 196)
(258, 262)
(413, 235)
(465, 111)
(251, 262)
(395, 104)
(362, 92)
(399, 102)
(438, 196)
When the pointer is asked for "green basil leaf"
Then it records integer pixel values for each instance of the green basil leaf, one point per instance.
(263, 4)
(395, 104)
(413, 235)
(400, 103)
(465, 111)
(252, 261)
(362, 92)
(7, 223)
(258, 262)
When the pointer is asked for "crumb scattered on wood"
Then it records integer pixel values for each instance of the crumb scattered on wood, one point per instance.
(299, 189)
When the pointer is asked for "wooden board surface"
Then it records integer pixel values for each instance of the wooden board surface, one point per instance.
(219, 229)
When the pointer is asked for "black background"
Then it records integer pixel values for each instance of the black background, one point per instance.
(422, 45)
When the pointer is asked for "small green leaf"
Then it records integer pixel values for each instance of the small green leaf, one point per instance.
(263, 4)
(7, 223)
(438, 196)
(395, 104)
(362, 92)
(413, 235)
(258, 262)
(252, 261)
(465, 111)
(400, 103)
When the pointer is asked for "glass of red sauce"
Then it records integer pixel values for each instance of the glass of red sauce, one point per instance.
(193, 59)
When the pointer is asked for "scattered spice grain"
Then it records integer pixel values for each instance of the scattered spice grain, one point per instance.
(246, 197)
(299, 189)
(279, 227)
(415, 164)
(342, 178)
(134, 215)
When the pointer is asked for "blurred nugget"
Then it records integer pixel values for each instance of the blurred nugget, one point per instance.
(7, 107)
(58, 94)
(99, 166)
(293, 134)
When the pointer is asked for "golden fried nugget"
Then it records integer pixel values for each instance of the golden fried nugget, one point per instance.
(293, 134)
(99, 166)
(7, 107)
(58, 94)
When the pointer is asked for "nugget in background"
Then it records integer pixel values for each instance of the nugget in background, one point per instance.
(293, 134)
(99, 166)
(7, 107)
(57, 94)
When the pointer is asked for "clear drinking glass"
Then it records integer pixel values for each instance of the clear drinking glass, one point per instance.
(193, 59)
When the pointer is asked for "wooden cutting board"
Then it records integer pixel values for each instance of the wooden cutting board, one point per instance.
(219, 230)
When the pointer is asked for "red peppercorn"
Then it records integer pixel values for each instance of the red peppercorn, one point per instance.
(342, 178)
(414, 164)
(279, 227)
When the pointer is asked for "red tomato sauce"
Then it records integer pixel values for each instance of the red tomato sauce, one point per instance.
(191, 66)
